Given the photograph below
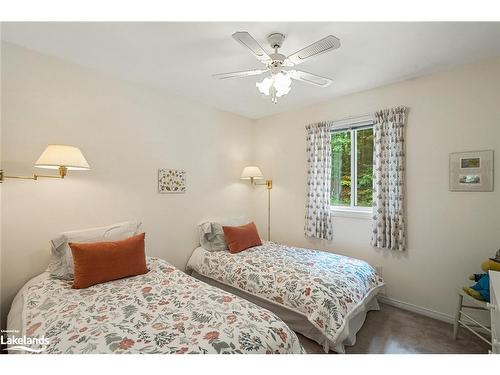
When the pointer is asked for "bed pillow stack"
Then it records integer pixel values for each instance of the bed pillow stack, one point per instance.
(61, 260)
(212, 235)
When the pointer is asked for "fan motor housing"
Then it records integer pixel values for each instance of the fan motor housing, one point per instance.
(277, 57)
(275, 40)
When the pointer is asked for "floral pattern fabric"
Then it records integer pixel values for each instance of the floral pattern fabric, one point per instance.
(318, 219)
(163, 311)
(322, 286)
(389, 229)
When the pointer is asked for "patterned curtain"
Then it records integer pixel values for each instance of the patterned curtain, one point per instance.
(318, 221)
(389, 229)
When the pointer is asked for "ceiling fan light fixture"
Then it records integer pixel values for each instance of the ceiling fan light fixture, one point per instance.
(265, 85)
(277, 85)
(280, 81)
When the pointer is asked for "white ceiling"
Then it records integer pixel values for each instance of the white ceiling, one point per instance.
(181, 57)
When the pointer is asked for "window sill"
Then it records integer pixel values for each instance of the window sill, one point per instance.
(352, 212)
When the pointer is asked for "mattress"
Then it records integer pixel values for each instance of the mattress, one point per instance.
(163, 311)
(321, 295)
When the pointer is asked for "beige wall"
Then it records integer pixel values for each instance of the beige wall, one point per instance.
(127, 132)
(449, 233)
(3, 308)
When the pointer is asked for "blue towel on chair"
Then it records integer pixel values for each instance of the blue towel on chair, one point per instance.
(483, 286)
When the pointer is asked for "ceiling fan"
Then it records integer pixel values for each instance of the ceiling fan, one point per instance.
(280, 67)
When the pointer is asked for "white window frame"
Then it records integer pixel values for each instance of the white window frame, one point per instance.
(352, 125)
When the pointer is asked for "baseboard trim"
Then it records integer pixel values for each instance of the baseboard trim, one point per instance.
(417, 309)
(425, 312)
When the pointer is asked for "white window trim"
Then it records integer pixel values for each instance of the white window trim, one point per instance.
(348, 124)
(352, 122)
(364, 213)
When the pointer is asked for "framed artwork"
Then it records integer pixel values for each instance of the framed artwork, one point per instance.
(171, 181)
(471, 171)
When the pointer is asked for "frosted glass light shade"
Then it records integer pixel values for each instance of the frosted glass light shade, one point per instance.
(251, 172)
(56, 156)
(279, 84)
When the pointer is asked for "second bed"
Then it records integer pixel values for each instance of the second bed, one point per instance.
(321, 295)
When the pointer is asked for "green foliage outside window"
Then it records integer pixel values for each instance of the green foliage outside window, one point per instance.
(342, 175)
(365, 167)
(341, 169)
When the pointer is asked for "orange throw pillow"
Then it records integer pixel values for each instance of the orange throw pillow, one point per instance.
(98, 262)
(241, 238)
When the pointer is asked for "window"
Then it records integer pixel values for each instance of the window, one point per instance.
(352, 167)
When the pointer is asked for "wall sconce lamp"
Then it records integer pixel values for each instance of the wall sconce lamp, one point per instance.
(60, 157)
(253, 173)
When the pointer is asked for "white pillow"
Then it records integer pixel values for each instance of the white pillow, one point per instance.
(61, 259)
(212, 236)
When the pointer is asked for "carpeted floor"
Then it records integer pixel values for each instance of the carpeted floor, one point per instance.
(396, 331)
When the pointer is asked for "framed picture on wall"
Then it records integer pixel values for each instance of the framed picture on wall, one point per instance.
(171, 181)
(471, 171)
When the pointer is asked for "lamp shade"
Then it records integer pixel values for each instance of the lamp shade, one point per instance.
(56, 156)
(251, 172)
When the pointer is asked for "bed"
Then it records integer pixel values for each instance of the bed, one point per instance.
(323, 296)
(163, 311)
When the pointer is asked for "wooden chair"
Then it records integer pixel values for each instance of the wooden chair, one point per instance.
(465, 320)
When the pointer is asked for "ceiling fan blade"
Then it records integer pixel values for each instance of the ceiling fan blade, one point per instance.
(321, 46)
(248, 41)
(312, 79)
(246, 73)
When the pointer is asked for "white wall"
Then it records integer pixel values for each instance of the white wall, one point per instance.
(450, 233)
(126, 131)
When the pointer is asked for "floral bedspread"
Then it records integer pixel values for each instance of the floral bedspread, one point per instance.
(322, 286)
(163, 311)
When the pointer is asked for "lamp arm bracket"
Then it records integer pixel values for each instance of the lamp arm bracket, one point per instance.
(37, 176)
(268, 184)
(62, 173)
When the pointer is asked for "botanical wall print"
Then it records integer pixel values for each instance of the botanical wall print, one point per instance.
(171, 181)
(471, 171)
